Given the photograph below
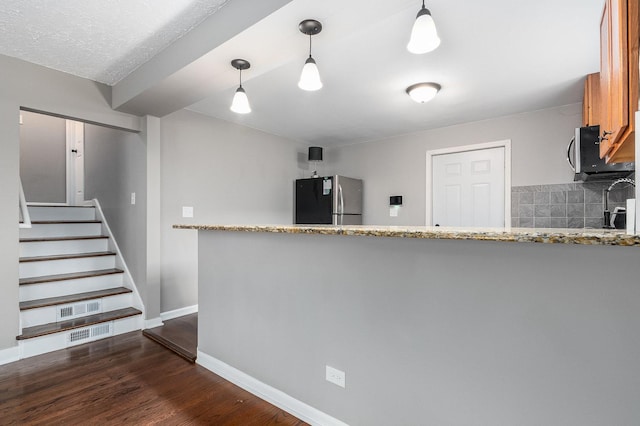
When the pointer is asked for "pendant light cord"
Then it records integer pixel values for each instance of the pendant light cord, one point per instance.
(240, 77)
(309, 45)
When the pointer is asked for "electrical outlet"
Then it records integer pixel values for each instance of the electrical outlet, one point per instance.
(335, 376)
(187, 211)
(133, 198)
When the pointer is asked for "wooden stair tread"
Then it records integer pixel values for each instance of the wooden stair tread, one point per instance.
(67, 256)
(72, 298)
(179, 335)
(172, 346)
(78, 237)
(59, 205)
(57, 327)
(71, 276)
(63, 222)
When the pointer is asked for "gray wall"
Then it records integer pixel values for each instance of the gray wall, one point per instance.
(115, 166)
(397, 166)
(429, 332)
(229, 174)
(9, 181)
(31, 86)
(43, 161)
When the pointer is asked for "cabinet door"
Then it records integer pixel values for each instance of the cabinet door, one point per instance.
(613, 73)
(623, 149)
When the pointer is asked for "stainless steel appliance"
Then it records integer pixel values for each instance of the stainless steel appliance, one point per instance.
(329, 200)
(585, 158)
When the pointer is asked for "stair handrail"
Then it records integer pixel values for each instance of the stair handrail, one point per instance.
(25, 219)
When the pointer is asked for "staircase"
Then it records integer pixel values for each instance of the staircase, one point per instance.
(74, 285)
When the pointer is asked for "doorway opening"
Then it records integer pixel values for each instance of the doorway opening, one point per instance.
(51, 159)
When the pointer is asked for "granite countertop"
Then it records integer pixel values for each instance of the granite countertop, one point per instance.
(522, 235)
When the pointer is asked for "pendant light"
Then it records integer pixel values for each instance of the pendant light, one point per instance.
(315, 157)
(424, 37)
(240, 103)
(423, 92)
(310, 77)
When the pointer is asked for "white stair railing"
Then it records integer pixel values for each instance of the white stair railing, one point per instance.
(25, 219)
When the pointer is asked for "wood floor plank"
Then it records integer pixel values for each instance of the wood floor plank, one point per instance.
(126, 379)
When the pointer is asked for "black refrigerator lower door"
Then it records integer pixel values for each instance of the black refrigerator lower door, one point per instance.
(312, 206)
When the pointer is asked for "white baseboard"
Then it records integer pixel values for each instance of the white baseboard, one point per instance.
(176, 313)
(153, 322)
(9, 355)
(270, 394)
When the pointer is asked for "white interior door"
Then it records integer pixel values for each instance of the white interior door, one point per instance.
(469, 187)
(75, 162)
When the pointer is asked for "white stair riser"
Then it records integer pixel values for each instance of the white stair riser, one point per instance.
(38, 316)
(57, 341)
(66, 266)
(62, 213)
(61, 230)
(120, 301)
(46, 315)
(51, 248)
(67, 287)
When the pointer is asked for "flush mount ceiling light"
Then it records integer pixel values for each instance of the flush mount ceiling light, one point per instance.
(423, 92)
(424, 37)
(310, 77)
(240, 103)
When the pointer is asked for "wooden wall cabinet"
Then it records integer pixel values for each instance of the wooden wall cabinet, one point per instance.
(618, 80)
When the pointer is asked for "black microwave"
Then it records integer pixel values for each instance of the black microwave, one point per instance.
(585, 159)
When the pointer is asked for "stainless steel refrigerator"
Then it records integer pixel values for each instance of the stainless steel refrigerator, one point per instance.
(329, 200)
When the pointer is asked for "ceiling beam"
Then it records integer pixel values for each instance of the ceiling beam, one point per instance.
(158, 87)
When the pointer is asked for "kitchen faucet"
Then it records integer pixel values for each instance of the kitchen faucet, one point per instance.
(607, 213)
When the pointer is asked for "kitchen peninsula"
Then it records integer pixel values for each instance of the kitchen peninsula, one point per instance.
(431, 325)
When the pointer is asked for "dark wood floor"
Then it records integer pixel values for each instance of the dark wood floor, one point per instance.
(126, 379)
(179, 335)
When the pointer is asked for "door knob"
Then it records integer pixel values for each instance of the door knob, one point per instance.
(75, 151)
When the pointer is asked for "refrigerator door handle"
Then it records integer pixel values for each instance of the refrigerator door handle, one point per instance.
(341, 197)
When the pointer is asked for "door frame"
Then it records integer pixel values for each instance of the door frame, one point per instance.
(75, 162)
(506, 144)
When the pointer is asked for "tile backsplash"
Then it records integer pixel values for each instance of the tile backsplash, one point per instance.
(570, 205)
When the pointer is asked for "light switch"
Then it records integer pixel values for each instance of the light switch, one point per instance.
(187, 211)
(133, 198)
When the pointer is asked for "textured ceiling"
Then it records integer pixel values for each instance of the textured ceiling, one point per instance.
(96, 39)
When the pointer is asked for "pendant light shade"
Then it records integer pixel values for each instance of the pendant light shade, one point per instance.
(240, 103)
(424, 36)
(315, 153)
(423, 92)
(310, 76)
